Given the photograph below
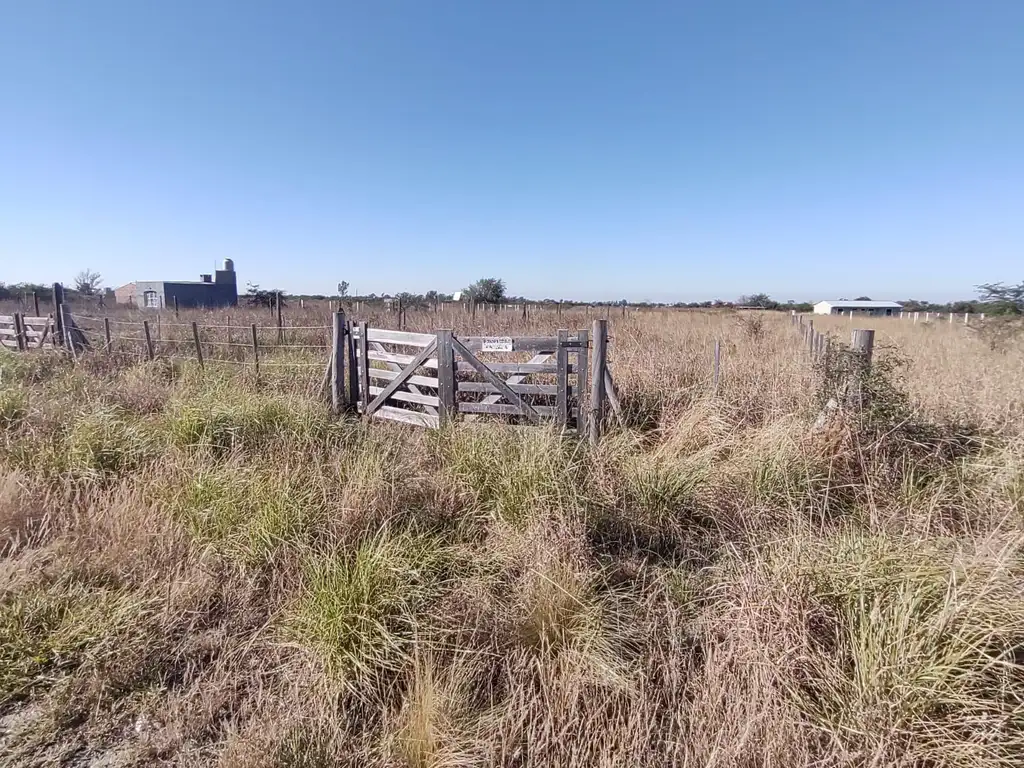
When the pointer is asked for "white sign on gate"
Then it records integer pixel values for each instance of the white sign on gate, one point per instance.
(496, 344)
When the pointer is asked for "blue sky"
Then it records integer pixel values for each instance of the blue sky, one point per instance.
(597, 150)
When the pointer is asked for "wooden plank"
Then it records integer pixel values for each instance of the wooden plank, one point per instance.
(524, 369)
(408, 417)
(524, 407)
(8, 319)
(521, 389)
(401, 337)
(35, 320)
(409, 397)
(8, 332)
(423, 381)
(562, 387)
(447, 394)
(582, 355)
(504, 409)
(396, 382)
(398, 358)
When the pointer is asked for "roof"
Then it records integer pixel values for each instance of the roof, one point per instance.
(862, 304)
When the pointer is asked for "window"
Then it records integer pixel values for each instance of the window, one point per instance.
(151, 300)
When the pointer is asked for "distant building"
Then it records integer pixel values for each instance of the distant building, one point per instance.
(842, 306)
(218, 290)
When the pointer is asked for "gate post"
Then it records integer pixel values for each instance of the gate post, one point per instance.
(58, 304)
(338, 400)
(446, 380)
(597, 393)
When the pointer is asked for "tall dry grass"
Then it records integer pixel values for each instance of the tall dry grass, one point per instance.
(201, 568)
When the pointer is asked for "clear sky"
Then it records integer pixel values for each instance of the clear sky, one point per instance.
(598, 150)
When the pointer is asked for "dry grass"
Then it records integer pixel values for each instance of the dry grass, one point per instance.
(199, 568)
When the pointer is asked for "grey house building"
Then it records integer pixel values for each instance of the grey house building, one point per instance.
(218, 290)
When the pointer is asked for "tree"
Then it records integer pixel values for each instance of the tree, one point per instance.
(257, 297)
(863, 298)
(88, 283)
(1002, 299)
(343, 288)
(759, 300)
(489, 289)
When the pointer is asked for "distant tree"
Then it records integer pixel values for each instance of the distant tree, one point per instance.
(87, 282)
(1002, 299)
(759, 300)
(257, 297)
(343, 288)
(488, 289)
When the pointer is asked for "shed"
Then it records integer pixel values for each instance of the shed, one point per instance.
(842, 306)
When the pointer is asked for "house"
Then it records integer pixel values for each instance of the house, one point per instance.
(218, 290)
(842, 306)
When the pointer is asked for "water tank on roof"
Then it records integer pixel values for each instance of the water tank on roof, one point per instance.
(229, 265)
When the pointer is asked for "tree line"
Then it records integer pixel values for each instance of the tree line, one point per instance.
(992, 298)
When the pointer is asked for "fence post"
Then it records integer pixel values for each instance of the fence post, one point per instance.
(19, 332)
(353, 369)
(35, 302)
(597, 378)
(68, 341)
(364, 368)
(106, 334)
(446, 379)
(862, 344)
(280, 332)
(255, 349)
(562, 380)
(149, 340)
(199, 347)
(582, 371)
(337, 361)
(58, 303)
(175, 307)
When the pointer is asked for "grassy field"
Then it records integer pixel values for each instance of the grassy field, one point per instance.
(203, 568)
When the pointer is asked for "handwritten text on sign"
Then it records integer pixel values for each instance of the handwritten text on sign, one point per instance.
(496, 344)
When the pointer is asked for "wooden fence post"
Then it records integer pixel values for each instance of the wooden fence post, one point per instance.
(199, 347)
(175, 307)
(19, 332)
(562, 376)
(582, 373)
(106, 335)
(58, 302)
(353, 368)
(149, 340)
(337, 362)
(597, 378)
(35, 302)
(862, 344)
(280, 331)
(255, 349)
(364, 365)
(446, 380)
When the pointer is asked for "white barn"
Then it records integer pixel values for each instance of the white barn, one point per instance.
(842, 306)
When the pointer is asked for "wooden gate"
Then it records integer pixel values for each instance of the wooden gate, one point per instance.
(426, 379)
(24, 333)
